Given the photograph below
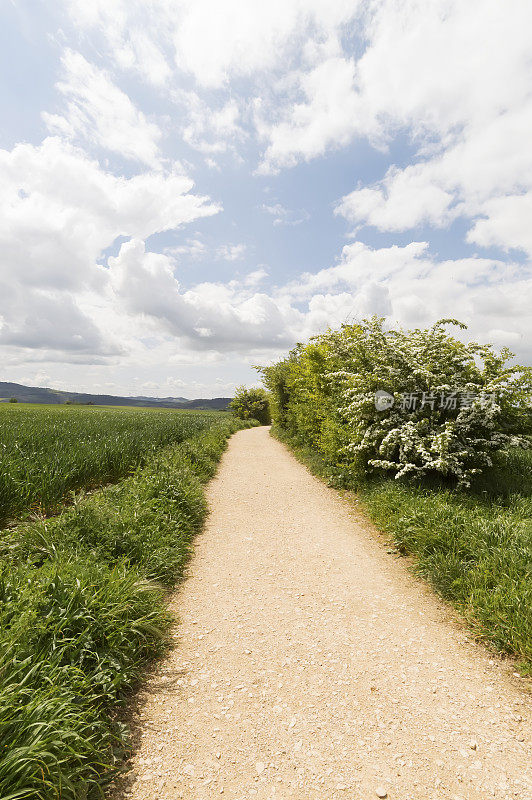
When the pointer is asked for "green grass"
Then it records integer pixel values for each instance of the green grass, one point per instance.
(475, 547)
(82, 611)
(47, 452)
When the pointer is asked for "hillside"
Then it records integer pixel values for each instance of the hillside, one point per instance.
(38, 394)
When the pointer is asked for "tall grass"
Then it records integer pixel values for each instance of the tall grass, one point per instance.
(475, 547)
(48, 451)
(82, 610)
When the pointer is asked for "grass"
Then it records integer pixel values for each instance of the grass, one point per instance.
(82, 611)
(475, 547)
(47, 452)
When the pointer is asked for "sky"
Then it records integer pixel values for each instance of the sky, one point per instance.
(190, 187)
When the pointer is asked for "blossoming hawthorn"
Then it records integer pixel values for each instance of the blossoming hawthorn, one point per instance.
(324, 394)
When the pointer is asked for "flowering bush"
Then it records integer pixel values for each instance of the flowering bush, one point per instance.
(412, 402)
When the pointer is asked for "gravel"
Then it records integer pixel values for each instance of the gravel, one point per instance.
(309, 664)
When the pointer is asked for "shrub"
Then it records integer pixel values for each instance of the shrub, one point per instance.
(251, 404)
(448, 406)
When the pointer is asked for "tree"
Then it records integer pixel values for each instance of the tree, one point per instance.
(251, 404)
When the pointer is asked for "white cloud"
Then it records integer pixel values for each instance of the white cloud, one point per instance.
(208, 129)
(247, 38)
(101, 113)
(404, 199)
(285, 216)
(507, 223)
(404, 284)
(457, 78)
(232, 252)
(312, 76)
(255, 277)
(304, 77)
(208, 316)
(59, 211)
(329, 116)
(251, 36)
(134, 32)
(193, 248)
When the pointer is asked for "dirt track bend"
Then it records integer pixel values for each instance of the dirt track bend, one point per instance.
(310, 664)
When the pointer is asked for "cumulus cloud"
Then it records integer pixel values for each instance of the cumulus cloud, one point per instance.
(454, 77)
(213, 47)
(281, 84)
(457, 78)
(209, 316)
(412, 288)
(329, 116)
(58, 212)
(98, 111)
(405, 284)
(404, 199)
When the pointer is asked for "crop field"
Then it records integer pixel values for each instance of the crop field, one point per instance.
(82, 593)
(48, 451)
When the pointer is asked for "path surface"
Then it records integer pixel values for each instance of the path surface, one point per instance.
(310, 664)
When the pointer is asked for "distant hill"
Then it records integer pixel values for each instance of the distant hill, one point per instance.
(37, 394)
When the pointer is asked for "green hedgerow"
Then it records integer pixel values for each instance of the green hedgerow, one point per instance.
(448, 408)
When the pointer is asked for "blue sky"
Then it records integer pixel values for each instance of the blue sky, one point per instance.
(192, 187)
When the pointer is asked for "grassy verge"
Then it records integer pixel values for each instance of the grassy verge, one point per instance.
(82, 611)
(474, 547)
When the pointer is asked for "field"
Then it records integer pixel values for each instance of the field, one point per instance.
(82, 593)
(46, 452)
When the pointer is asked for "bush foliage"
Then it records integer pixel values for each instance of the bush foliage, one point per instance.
(451, 405)
(251, 404)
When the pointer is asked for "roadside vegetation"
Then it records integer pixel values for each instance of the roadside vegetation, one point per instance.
(82, 610)
(251, 404)
(48, 451)
(452, 485)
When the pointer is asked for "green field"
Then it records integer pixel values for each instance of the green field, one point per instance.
(82, 593)
(46, 452)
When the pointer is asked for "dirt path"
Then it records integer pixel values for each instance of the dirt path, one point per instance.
(310, 664)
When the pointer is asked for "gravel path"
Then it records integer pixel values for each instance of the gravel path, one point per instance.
(310, 664)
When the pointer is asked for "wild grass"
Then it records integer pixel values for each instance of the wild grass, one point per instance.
(82, 611)
(47, 452)
(475, 547)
